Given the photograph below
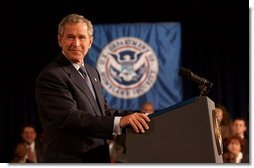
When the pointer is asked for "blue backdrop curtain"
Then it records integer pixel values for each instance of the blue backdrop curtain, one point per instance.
(138, 62)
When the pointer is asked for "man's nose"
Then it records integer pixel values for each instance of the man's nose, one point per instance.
(76, 42)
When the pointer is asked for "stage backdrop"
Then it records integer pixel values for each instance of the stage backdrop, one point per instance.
(138, 62)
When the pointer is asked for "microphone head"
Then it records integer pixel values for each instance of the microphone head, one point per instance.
(185, 72)
(204, 84)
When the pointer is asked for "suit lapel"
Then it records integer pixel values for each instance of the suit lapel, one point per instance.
(79, 81)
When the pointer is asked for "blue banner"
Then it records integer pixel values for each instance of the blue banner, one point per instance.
(138, 62)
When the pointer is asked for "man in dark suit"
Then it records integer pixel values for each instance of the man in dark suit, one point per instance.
(34, 146)
(76, 119)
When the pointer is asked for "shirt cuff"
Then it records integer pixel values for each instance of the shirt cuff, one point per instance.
(117, 130)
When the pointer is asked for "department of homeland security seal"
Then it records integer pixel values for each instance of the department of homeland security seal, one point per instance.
(128, 67)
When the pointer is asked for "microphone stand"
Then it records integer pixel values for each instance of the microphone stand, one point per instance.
(204, 89)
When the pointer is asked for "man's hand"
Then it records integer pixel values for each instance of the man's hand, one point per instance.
(138, 122)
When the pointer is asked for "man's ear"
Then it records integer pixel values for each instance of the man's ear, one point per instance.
(59, 40)
(91, 41)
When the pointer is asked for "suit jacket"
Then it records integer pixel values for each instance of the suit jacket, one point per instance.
(76, 126)
(39, 151)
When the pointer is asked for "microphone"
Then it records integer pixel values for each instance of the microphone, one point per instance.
(191, 76)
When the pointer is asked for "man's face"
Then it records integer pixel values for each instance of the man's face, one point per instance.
(29, 135)
(239, 127)
(147, 108)
(75, 41)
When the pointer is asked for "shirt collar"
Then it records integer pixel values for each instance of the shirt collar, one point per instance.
(31, 145)
(77, 66)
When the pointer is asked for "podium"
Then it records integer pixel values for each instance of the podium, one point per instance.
(187, 132)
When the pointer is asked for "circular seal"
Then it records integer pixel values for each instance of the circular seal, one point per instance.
(128, 67)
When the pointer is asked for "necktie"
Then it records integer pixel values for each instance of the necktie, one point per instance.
(30, 154)
(83, 71)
